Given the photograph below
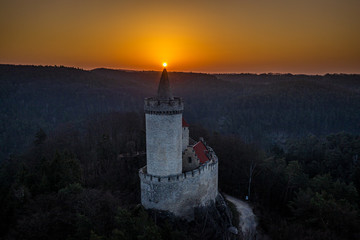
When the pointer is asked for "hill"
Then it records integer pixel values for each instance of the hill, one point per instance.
(265, 108)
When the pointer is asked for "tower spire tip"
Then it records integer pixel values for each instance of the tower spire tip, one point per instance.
(164, 91)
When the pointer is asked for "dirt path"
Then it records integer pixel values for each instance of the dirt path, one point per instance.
(247, 218)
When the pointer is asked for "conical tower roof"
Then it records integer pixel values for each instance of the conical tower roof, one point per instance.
(164, 91)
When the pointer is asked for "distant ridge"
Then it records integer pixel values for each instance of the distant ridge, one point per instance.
(186, 72)
(258, 108)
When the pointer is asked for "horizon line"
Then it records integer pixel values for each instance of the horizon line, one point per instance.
(181, 71)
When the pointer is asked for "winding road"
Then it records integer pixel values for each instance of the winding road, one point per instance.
(247, 222)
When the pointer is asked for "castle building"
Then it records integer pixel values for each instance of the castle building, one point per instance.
(181, 174)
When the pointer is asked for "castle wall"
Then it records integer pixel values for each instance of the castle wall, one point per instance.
(180, 194)
(195, 162)
(185, 138)
(164, 144)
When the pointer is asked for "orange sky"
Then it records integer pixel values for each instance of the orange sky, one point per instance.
(297, 36)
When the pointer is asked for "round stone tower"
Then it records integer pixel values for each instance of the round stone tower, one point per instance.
(163, 116)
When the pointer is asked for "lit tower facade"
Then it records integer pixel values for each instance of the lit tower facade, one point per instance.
(163, 117)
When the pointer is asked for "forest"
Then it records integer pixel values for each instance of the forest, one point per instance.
(72, 142)
(259, 108)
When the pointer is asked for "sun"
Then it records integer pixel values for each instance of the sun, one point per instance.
(164, 64)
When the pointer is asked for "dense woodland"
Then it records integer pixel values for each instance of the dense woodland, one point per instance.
(262, 109)
(72, 142)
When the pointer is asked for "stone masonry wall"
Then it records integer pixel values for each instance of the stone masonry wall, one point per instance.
(181, 193)
(195, 162)
(164, 144)
(185, 138)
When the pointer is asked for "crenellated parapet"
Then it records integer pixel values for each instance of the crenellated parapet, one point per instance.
(208, 166)
(158, 106)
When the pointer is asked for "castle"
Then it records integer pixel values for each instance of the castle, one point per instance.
(180, 174)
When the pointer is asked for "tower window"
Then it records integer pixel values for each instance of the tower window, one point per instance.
(189, 159)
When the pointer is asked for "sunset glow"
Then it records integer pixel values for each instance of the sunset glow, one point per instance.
(301, 36)
(164, 64)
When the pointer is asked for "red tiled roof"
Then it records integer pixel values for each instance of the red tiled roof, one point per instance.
(184, 123)
(201, 151)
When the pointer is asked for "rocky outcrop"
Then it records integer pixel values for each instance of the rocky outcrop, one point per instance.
(213, 222)
(217, 220)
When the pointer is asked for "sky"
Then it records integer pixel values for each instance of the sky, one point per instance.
(256, 36)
